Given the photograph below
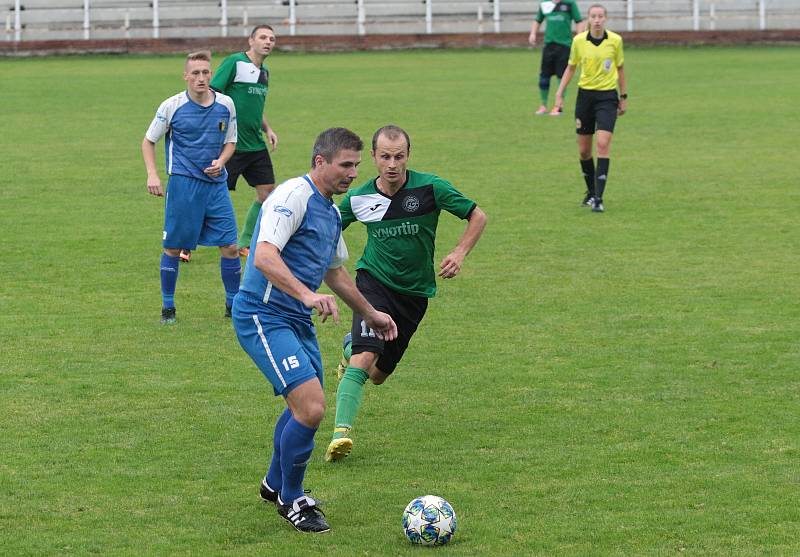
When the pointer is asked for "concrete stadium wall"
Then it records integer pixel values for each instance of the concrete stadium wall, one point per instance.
(340, 43)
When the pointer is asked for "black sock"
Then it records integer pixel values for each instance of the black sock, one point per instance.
(587, 166)
(601, 178)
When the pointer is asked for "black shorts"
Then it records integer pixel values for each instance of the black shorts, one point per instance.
(255, 166)
(554, 60)
(595, 110)
(407, 312)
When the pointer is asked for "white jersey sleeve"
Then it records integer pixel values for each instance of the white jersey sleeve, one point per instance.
(283, 212)
(160, 124)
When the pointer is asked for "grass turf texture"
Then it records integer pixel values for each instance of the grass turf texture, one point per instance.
(615, 384)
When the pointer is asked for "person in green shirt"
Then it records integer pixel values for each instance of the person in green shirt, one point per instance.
(245, 79)
(400, 210)
(559, 15)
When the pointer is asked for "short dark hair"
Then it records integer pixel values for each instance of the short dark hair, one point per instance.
(257, 27)
(391, 132)
(333, 140)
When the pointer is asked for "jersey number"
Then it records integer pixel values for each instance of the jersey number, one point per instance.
(290, 363)
(366, 332)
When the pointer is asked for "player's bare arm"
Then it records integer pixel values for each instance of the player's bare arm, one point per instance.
(534, 30)
(339, 280)
(272, 137)
(623, 91)
(451, 264)
(153, 180)
(268, 260)
(565, 79)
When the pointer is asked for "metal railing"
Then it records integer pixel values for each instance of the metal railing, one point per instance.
(87, 19)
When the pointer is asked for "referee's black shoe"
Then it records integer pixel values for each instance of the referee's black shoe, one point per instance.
(304, 515)
(587, 200)
(597, 206)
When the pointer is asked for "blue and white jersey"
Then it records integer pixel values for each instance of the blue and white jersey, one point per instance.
(307, 229)
(195, 134)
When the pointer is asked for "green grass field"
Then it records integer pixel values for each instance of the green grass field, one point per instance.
(619, 384)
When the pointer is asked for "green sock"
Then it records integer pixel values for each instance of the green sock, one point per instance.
(543, 93)
(249, 224)
(348, 399)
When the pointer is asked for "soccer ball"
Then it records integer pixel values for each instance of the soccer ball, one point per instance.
(429, 520)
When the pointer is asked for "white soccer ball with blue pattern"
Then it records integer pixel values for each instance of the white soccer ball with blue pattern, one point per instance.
(429, 520)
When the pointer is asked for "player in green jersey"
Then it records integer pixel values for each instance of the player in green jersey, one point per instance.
(400, 209)
(559, 15)
(244, 78)
(599, 52)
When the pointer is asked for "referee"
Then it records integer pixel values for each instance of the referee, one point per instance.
(599, 52)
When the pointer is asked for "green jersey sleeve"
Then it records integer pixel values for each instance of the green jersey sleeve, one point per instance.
(451, 200)
(540, 15)
(346, 210)
(223, 77)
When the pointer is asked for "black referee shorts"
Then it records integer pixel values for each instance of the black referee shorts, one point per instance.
(554, 60)
(407, 312)
(595, 110)
(255, 166)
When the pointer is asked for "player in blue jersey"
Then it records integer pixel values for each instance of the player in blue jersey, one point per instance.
(296, 245)
(199, 126)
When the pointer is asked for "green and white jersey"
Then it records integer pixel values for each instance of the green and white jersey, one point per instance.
(247, 84)
(559, 16)
(401, 230)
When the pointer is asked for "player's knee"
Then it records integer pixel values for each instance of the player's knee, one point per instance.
(603, 146)
(312, 412)
(229, 252)
(364, 360)
(544, 81)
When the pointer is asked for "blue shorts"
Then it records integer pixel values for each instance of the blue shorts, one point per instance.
(284, 349)
(198, 212)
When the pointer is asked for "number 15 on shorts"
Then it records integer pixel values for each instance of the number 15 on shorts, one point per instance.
(290, 363)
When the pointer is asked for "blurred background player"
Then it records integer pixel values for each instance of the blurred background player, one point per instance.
(557, 39)
(599, 53)
(245, 79)
(200, 129)
(400, 209)
(299, 243)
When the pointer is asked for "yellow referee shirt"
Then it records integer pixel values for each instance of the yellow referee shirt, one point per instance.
(598, 63)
